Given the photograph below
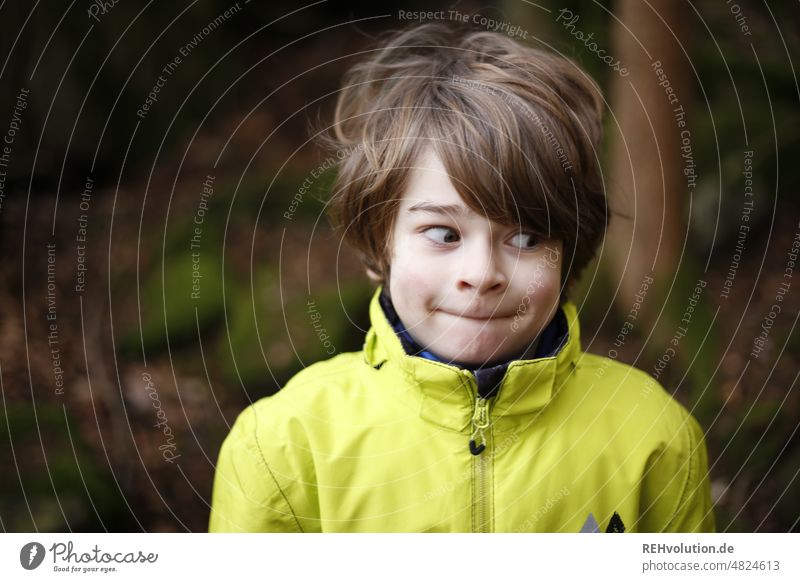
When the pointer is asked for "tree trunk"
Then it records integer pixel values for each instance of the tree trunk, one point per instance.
(646, 171)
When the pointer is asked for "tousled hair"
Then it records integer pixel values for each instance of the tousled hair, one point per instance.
(516, 128)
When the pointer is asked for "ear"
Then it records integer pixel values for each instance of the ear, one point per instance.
(373, 275)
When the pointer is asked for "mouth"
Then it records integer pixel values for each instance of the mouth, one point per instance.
(474, 317)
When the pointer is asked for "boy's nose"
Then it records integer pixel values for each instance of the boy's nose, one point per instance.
(481, 273)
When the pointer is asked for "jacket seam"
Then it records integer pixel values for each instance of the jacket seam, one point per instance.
(272, 475)
(494, 463)
(684, 491)
(474, 496)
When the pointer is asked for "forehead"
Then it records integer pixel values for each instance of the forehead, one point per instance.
(430, 188)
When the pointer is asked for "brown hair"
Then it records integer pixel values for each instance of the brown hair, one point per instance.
(516, 128)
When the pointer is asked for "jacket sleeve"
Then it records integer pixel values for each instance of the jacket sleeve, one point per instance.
(246, 496)
(676, 493)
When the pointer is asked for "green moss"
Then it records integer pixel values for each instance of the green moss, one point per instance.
(58, 483)
(172, 308)
(270, 338)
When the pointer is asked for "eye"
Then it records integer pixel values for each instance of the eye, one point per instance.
(441, 234)
(524, 240)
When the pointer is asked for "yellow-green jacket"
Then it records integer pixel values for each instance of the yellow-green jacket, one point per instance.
(381, 441)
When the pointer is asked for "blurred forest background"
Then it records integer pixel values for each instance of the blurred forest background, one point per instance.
(156, 146)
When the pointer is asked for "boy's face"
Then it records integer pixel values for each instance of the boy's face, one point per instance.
(466, 288)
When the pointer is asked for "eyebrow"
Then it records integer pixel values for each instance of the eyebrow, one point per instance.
(443, 209)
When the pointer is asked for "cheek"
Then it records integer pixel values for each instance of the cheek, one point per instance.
(539, 297)
(413, 287)
(412, 282)
(551, 284)
(539, 283)
(413, 269)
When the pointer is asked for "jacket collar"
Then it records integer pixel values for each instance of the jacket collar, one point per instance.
(448, 392)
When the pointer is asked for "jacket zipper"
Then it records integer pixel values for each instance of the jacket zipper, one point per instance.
(481, 463)
(480, 422)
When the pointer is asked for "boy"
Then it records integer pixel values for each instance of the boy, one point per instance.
(472, 191)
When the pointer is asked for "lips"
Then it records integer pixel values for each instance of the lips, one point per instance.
(475, 316)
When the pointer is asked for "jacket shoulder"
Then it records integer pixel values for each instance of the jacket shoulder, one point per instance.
(338, 371)
(329, 376)
(621, 380)
(625, 391)
(311, 393)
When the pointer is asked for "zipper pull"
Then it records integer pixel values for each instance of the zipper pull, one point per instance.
(480, 421)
